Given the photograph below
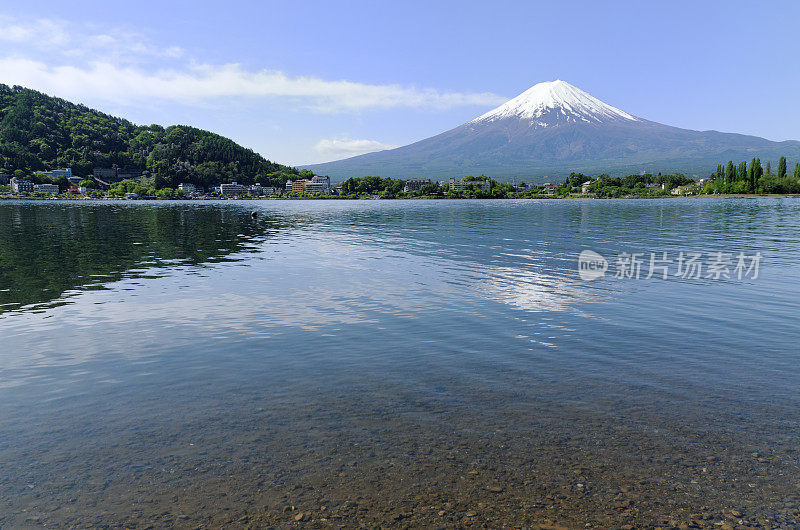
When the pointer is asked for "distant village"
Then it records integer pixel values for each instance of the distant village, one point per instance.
(102, 185)
(105, 178)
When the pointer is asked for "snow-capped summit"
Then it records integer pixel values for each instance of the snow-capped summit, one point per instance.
(554, 102)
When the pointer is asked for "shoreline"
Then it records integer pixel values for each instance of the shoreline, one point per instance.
(372, 198)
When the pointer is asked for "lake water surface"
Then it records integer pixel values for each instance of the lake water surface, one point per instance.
(405, 363)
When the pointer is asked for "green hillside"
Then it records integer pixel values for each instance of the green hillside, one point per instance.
(39, 132)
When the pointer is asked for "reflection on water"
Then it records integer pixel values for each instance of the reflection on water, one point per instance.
(392, 361)
(49, 249)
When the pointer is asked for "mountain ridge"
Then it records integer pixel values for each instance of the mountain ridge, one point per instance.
(552, 129)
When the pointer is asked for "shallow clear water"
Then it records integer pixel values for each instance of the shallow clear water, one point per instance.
(180, 363)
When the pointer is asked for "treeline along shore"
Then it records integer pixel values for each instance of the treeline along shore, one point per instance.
(742, 179)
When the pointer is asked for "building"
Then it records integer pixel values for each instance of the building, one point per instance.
(21, 186)
(231, 189)
(548, 188)
(58, 173)
(415, 184)
(107, 174)
(125, 174)
(461, 185)
(111, 175)
(256, 190)
(689, 189)
(46, 188)
(74, 181)
(288, 187)
(269, 190)
(188, 188)
(299, 186)
(318, 184)
(585, 186)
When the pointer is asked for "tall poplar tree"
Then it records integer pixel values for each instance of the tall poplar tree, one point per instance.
(782, 167)
(757, 172)
(741, 173)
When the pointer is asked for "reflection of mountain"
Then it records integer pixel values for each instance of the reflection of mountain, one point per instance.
(49, 249)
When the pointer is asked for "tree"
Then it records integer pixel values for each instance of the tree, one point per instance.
(755, 174)
(782, 167)
(39, 132)
(741, 172)
(730, 172)
(797, 171)
(769, 168)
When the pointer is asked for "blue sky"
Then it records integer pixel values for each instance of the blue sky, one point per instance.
(304, 82)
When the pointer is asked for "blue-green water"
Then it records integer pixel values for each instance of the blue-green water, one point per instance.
(391, 361)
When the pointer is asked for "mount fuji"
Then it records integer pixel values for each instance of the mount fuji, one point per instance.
(555, 128)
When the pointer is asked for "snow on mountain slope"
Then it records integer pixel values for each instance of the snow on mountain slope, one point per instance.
(554, 102)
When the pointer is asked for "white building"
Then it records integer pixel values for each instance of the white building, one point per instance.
(549, 189)
(21, 186)
(188, 188)
(460, 185)
(256, 190)
(415, 184)
(46, 188)
(688, 189)
(585, 186)
(231, 189)
(317, 184)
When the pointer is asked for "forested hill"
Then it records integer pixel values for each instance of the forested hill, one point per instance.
(39, 132)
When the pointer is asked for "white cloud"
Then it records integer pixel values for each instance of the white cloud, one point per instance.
(193, 84)
(42, 33)
(337, 148)
(81, 62)
(57, 38)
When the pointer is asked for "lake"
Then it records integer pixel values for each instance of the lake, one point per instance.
(404, 363)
